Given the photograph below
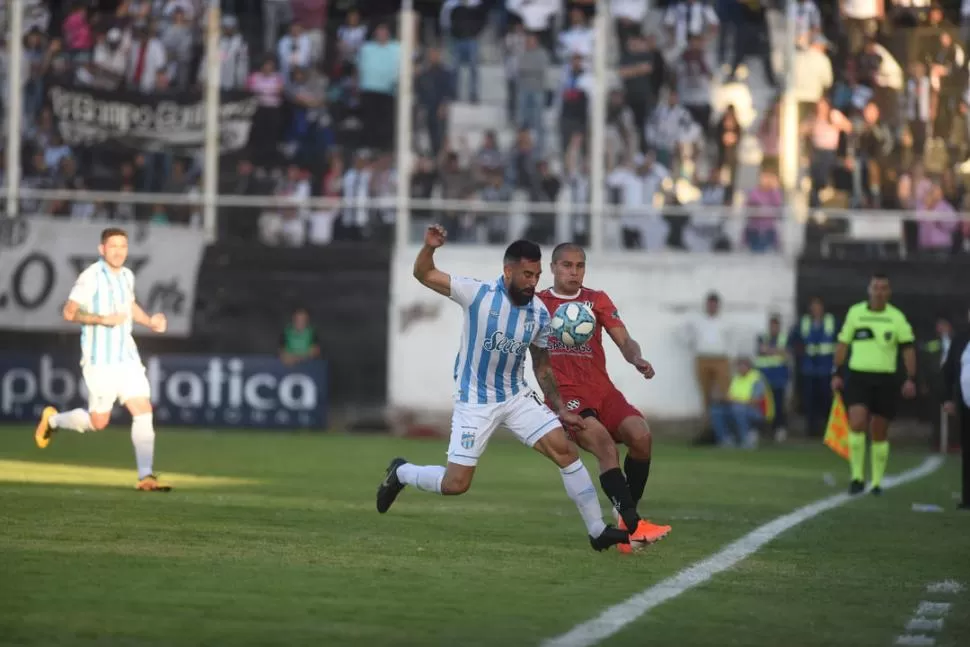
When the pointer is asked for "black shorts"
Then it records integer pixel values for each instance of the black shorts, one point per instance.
(878, 392)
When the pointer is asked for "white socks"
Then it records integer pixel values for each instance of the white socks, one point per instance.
(76, 420)
(143, 438)
(580, 488)
(424, 477)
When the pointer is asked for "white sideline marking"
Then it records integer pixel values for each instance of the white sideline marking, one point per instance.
(946, 586)
(916, 641)
(919, 623)
(615, 618)
(933, 608)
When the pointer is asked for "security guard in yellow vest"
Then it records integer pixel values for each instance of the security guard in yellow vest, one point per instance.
(772, 362)
(749, 404)
(813, 340)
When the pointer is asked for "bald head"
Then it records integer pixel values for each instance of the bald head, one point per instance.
(563, 248)
(568, 268)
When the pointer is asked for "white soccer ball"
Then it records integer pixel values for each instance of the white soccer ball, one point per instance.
(573, 323)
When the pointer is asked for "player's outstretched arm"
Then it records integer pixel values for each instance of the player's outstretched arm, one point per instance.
(74, 313)
(424, 270)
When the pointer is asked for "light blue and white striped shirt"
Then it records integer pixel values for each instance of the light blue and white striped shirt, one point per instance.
(101, 291)
(490, 367)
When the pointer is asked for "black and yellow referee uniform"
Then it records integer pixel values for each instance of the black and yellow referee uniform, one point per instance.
(875, 334)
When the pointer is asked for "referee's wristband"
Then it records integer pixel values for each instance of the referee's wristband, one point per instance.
(836, 371)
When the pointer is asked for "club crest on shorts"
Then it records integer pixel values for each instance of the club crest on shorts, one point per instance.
(467, 439)
(572, 405)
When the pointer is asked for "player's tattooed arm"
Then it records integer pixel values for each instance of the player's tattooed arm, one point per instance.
(74, 313)
(542, 367)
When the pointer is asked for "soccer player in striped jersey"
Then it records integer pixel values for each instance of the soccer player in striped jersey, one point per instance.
(102, 301)
(587, 389)
(502, 322)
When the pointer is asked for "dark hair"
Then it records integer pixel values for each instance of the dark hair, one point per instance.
(879, 276)
(713, 296)
(562, 248)
(110, 232)
(522, 250)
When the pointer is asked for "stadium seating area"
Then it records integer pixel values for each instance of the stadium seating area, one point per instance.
(501, 114)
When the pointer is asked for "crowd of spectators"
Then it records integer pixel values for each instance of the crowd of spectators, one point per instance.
(882, 92)
(883, 101)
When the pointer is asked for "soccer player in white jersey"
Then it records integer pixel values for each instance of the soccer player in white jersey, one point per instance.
(502, 321)
(103, 302)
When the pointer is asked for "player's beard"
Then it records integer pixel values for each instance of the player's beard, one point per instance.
(519, 296)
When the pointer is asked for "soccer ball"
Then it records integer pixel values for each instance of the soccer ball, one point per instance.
(574, 323)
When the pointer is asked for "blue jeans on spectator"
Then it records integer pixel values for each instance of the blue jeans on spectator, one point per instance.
(528, 114)
(465, 52)
(156, 170)
(33, 98)
(761, 240)
(823, 161)
(736, 416)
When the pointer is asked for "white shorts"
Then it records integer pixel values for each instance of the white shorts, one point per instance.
(110, 383)
(472, 425)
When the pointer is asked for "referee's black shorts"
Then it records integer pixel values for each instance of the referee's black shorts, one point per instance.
(878, 392)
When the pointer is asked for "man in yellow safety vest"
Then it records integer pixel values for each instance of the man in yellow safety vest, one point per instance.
(749, 404)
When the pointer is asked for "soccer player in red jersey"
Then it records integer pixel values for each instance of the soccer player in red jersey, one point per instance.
(586, 388)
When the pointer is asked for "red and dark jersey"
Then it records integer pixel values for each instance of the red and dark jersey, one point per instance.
(583, 366)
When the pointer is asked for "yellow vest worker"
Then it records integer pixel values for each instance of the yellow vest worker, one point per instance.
(750, 403)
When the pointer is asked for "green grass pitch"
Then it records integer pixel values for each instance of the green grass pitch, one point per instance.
(273, 539)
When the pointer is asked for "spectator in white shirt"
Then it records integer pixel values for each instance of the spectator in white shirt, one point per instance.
(671, 130)
(111, 54)
(234, 57)
(146, 59)
(294, 50)
(690, 18)
(640, 192)
(287, 225)
(350, 36)
(578, 39)
(694, 82)
(813, 76)
(709, 337)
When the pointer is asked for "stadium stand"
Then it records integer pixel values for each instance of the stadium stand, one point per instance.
(502, 111)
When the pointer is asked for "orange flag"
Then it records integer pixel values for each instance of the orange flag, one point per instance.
(837, 431)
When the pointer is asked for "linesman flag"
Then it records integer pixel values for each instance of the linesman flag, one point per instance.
(837, 431)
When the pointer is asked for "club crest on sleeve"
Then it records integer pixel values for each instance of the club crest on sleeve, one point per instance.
(572, 405)
(467, 440)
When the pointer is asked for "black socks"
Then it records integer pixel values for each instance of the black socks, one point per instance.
(637, 473)
(615, 487)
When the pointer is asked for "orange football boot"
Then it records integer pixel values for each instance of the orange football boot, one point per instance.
(150, 484)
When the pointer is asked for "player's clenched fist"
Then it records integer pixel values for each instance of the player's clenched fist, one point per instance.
(435, 236)
(158, 323)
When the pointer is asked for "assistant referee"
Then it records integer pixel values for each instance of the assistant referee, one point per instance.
(875, 331)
